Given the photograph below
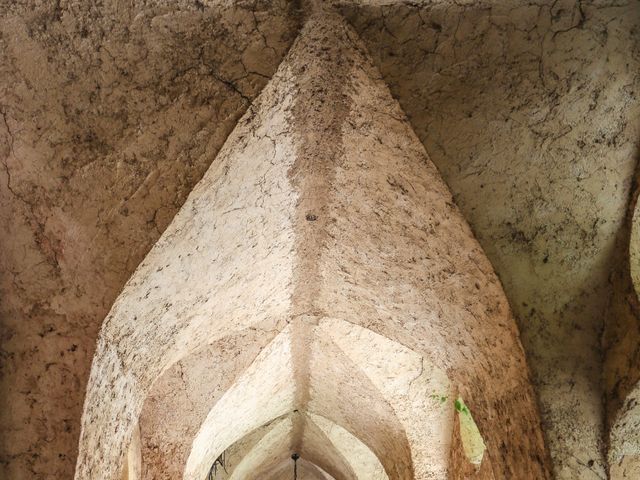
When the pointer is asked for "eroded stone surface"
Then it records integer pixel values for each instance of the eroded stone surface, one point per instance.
(110, 113)
(222, 266)
(622, 361)
(530, 113)
(322, 205)
(534, 104)
(262, 393)
(362, 460)
(182, 397)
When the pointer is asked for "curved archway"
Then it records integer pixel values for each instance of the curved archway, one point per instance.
(342, 393)
(181, 398)
(260, 394)
(196, 285)
(364, 462)
(324, 223)
(306, 471)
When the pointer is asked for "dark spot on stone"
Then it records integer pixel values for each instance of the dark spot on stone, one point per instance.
(545, 259)
(590, 463)
(311, 217)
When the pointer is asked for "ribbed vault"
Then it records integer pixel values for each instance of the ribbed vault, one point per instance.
(319, 293)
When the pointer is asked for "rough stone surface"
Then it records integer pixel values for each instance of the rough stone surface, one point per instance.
(361, 459)
(222, 266)
(112, 111)
(322, 219)
(262, 393)
(191, 387)
(530, 112)
(622, 362)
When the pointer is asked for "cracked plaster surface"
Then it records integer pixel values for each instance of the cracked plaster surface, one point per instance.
(530, 112)
(342, 217)
(110, 114)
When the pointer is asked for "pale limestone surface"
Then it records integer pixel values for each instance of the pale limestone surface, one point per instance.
(306, 471)
(530, 112)
(362, 460)
(412, 386)
(191, 387)
(260, 394)
(535, 104)
(271, 448)
(324, 220)
(132, 469)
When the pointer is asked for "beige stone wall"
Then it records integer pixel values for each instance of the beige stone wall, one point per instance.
(322, 220)
(530, 112)
(111, 112)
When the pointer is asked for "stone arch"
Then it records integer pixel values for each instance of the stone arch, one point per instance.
(192, 385)
(406, 382)
(268, 449)
(262, 393)
(363, 461)
(324, 222)
(181, 398)
(306, 470)
(266, 458)
(193, 287)
(342, 394)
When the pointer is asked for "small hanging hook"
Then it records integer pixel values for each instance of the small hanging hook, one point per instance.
(295, 458)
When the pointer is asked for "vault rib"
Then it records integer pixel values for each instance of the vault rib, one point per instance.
(319, 111)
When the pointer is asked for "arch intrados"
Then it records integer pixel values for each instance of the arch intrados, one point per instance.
(214, 366)
(353, 402)
(284, 469)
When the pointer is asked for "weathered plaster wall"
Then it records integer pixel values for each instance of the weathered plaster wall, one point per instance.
(412, 385)
(182, 397)
(260, 394)
(110, 113)
(224, 265)
(306, 471)
(530, 112)
(324, 220)
(271, 447)
(621, 342)
(362, 460)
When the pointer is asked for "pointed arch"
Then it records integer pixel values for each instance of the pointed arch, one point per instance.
(323, 221)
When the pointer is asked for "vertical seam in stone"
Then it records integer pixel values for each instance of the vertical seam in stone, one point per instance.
(320, 66)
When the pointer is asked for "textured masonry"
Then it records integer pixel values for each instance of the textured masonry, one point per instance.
(319, 278)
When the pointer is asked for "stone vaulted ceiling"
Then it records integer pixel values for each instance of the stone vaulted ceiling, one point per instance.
(112, 111)
(324, 234)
